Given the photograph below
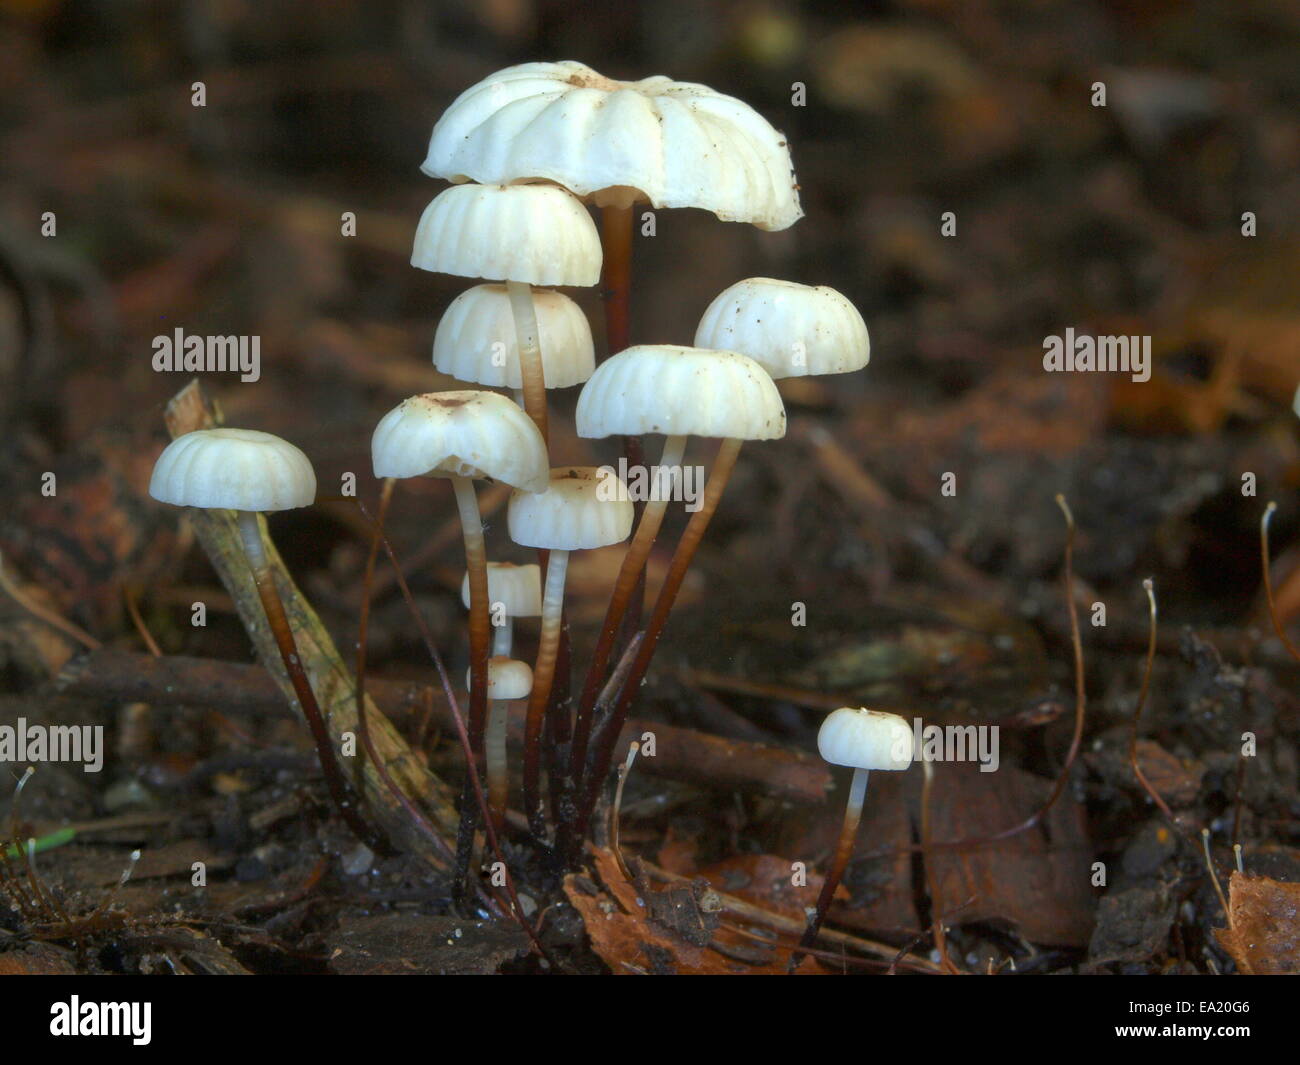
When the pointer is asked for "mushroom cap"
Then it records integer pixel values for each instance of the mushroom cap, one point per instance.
(233, 469)
(584, 507)
(674, 143)
(665, 388)
(865, 739)
(517, 588)
(793, 330)
(476, 339)
(508, 678)
(534, 233)
(465, 434)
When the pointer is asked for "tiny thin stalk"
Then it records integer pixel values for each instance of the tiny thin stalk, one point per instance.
(840, 861)
(723, 464)
(634, 560)
(251, 535)
(495, 760)
(543, 675)
(530, 353)
(1150, 589)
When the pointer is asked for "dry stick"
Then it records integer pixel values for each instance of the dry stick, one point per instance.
(44, 614)
(1268, 582)
(250, 533)
(723, 464)
(516, 910)
(1149, 585)
(617, 807)
(543, 674)
(530, 353)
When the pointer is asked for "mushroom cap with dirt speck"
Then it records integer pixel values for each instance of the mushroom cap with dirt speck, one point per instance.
(584, 507)
(667, 388)
(476, 339)
(538, 234)
(673, 143)
(508, 678)
(467, 434)
(233, 469)
(865, 739)
(792, 330)
(517, 588)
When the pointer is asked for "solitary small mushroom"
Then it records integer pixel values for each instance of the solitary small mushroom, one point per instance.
(253, 473)
(866, 740)
(463, 436)
(580, 510)
(523, 235)
(516, 592)
(508, 679)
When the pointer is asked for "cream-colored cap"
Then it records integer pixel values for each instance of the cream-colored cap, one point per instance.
(584, 507)
(508, 678)
(517, 588)
(674, 143)
(663, 388)
(792, 330)
(865, 739)
(476, 339)
(537, 234)
(233, 469)
(467, 434)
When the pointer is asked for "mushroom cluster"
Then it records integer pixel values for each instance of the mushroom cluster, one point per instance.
(527, 152)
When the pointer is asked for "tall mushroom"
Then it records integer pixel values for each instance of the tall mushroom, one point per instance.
(254, 473)
(515, 592)
(678, 391)
(579, 511)
(523, 235)
(866, 740)
(464, 436)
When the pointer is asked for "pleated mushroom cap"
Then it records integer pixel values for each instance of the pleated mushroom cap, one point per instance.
(466, 433)
(233, 469)
(476, 339)
(584, 507)
(537, 234)
(792, 330)
(676, 144)
(508, 678)
(664, 388)
(865, 739)
(517, 588)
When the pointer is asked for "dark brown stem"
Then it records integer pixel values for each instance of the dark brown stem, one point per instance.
(339, 790)
(723, 464)
(840, 861)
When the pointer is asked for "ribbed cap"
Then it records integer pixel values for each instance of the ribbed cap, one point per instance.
(663, 388)
(517, 588)
(235, 469)
(674, 143)
(476, 339)
(584, 507)
(538, 234)
(792, 330)
(468, 433)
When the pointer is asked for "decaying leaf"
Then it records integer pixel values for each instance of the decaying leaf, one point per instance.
(1263, 933)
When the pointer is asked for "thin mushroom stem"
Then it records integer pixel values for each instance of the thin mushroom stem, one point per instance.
(840, 861)
(250, 534)
(723, 464)
(494, 740)
(543, 675)
(634, 560)
(471, 523)
(530, 352)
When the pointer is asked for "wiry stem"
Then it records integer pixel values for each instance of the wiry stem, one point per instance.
(629, 573)
(723, 464)
(251, 535)
(530, 352)
(494, 740)
(543, 675)
(843, 851)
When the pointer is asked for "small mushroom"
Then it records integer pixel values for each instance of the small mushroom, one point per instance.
(580, 510)
(508, 679)
(865, 740)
